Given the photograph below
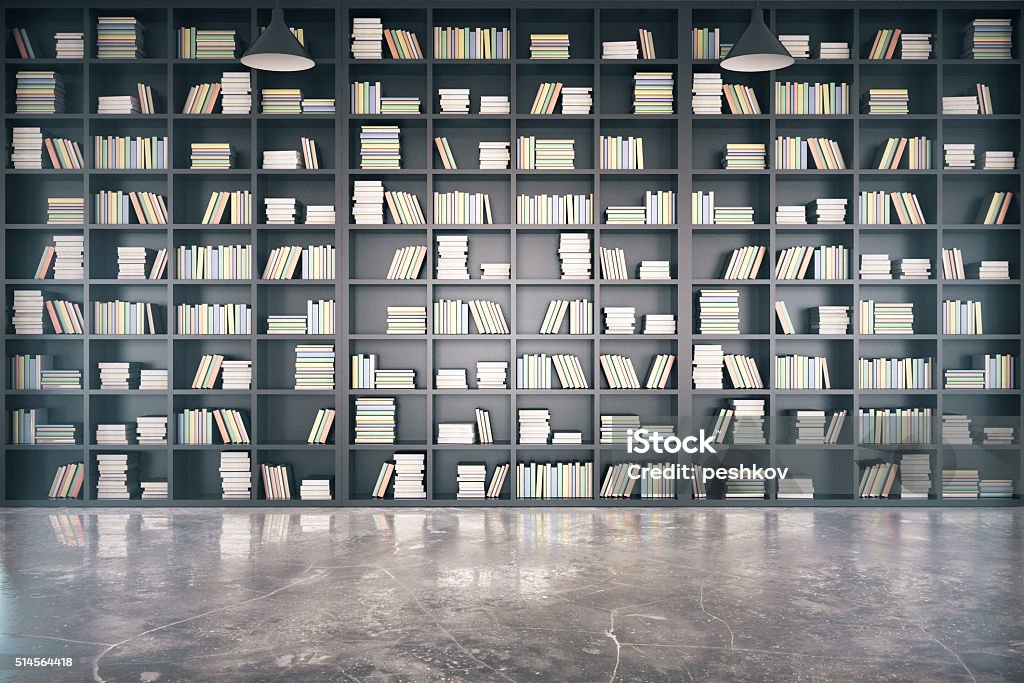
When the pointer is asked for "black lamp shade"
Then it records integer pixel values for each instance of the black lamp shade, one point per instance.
(277, 49)
(758, 49)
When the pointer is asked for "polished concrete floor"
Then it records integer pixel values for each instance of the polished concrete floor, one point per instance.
(513, 595)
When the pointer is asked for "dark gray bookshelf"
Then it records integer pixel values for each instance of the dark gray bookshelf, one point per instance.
(683, 152)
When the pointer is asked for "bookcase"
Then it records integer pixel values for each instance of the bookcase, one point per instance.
(683, 154)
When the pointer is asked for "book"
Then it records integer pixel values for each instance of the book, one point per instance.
(321, 429)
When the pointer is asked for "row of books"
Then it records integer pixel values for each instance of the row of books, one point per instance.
(29, 307)
(953, 267)
(234, 375)
(797, 153)
(369, 34)
(115, 207)
(196, 426)
(124, 152)
(472, 477)
(452, 317)
(27, 150)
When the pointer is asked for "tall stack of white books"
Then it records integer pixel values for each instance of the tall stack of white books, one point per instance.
(956, 429)
(69, 260)
(235, 475)
(534, 425)
(282, 159)
(708, 360)
(153, 379)
(409, 468)
(471, 479)
(70, 44)
(959, 154)
(115, 375)
(828, 211)
(810, 427)
(367, 37)
(118, 476)
(719, 311)
(875, 267)
(798, 45)
(368, 202)
(236, 92)
(452, 257)
(575, 255)
(915, 46)
(151, 430)
(495, 104)
(619, 319)
(707, 93)
(282, 210)
(28, 311)
(491, 374)
(494, 155)
(131, 263)
(915, 476)
(454, 100)
(28, 148)
(748, 421)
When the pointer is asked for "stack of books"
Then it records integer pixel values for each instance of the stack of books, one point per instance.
(577, 100)
(368, 202)
(282, 210)
(317, 105)
(744, 156)
(534, 425)
(1003, 161)
(409, 469)
(235, 475)
(707, 93)
(748, 421)
(456, 433)
(314, 367)
(791, 215)
(798, 46)
(39, 92)
(406, 320)
(213, 155)
(236, 92)
(619, 319)
(375, 420)
(317, 488)
(454, 100)
(626, 215)
(795, 488)
(915, 476)
(549, 46)
(495, 271)
(655, 270)
(959, 154)
(116, 375)
(198, 43)
(997, 436)
(745, 489)
(69, 257)
(957, 484)
(546, 153)
(151, 430)
(659, 323)
(960, 104)
(956, 430)
(886, 318)
(319, 214)
(119, 38)
(915, 46)
(494, 155)
(620, 49)
(153, 379)
(653, 92)
(574, 255)
(452, 257)
(991, 270)
(810, 427)
(281, 100)
(28, 148)
(995, 488)
(367, 36)
(117, 105)
(830, 211)
(915, 269)
(70, 45)
(733, 215)
(888, 101)
(964, 379)
(379, 147)
(830, 320)
(28, 311)
(154, 490)
(833, 51)
(394, 379)
(112, 434)
(875, 267)
(719, 311)
(988, 39)
(471, 480)
(451, 378)
(491, 374)
(495, 104)
(708, 361)
(281, 160)
(118, 476)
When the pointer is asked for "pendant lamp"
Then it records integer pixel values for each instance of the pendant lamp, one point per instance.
(758, 49)
(277, 49)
